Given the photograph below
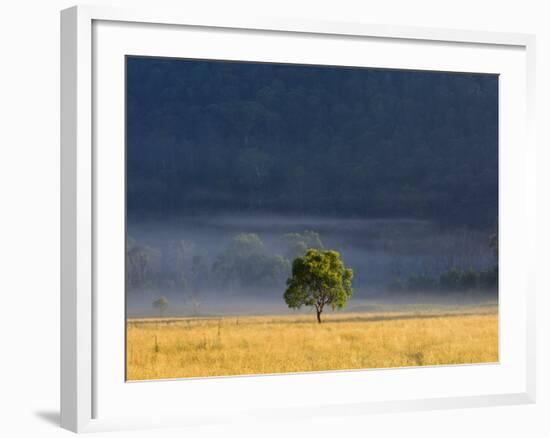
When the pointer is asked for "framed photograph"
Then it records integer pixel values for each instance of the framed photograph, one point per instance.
(283, 218)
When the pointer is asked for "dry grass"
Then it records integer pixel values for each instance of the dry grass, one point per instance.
(191, 347)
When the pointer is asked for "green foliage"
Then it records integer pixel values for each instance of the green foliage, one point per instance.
(454, 279)
(468, 279)
(451, 280)
(459, 280)
(319, 278)
(177, 261)
(246, 262)
(161, 305)
(245, 244)
(298, 244)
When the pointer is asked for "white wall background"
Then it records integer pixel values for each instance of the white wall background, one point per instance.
(29, 217)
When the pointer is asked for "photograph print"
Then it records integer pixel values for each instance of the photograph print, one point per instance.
(285, 218)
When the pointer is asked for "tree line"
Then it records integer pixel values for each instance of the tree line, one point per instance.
(244, 264)
(454, 279)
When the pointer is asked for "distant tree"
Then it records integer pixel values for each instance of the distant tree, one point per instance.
(459, 279)
(319, 278)
(246, 262)
(178, 261)
(265, 270)
(245, 244)
(142, 265)
(187, 270)
(161, 305)
(232, 263)
(298, 244)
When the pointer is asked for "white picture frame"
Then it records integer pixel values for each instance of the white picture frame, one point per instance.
(85, 383)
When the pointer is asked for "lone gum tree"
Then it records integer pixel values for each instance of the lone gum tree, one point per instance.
(319, 278)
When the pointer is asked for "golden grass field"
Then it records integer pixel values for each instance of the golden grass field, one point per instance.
(160, 348)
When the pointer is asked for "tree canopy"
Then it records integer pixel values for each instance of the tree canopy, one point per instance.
(319, 278)
(299, 243)
(245, 263)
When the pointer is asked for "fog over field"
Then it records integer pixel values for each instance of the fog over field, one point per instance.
(380, 252)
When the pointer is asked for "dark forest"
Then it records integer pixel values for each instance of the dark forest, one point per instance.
(209, 137)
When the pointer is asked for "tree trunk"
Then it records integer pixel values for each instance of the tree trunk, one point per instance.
(319, 316)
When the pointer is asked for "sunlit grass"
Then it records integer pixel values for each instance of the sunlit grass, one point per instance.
(200, 347)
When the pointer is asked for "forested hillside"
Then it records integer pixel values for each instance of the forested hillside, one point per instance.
(284, 139)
